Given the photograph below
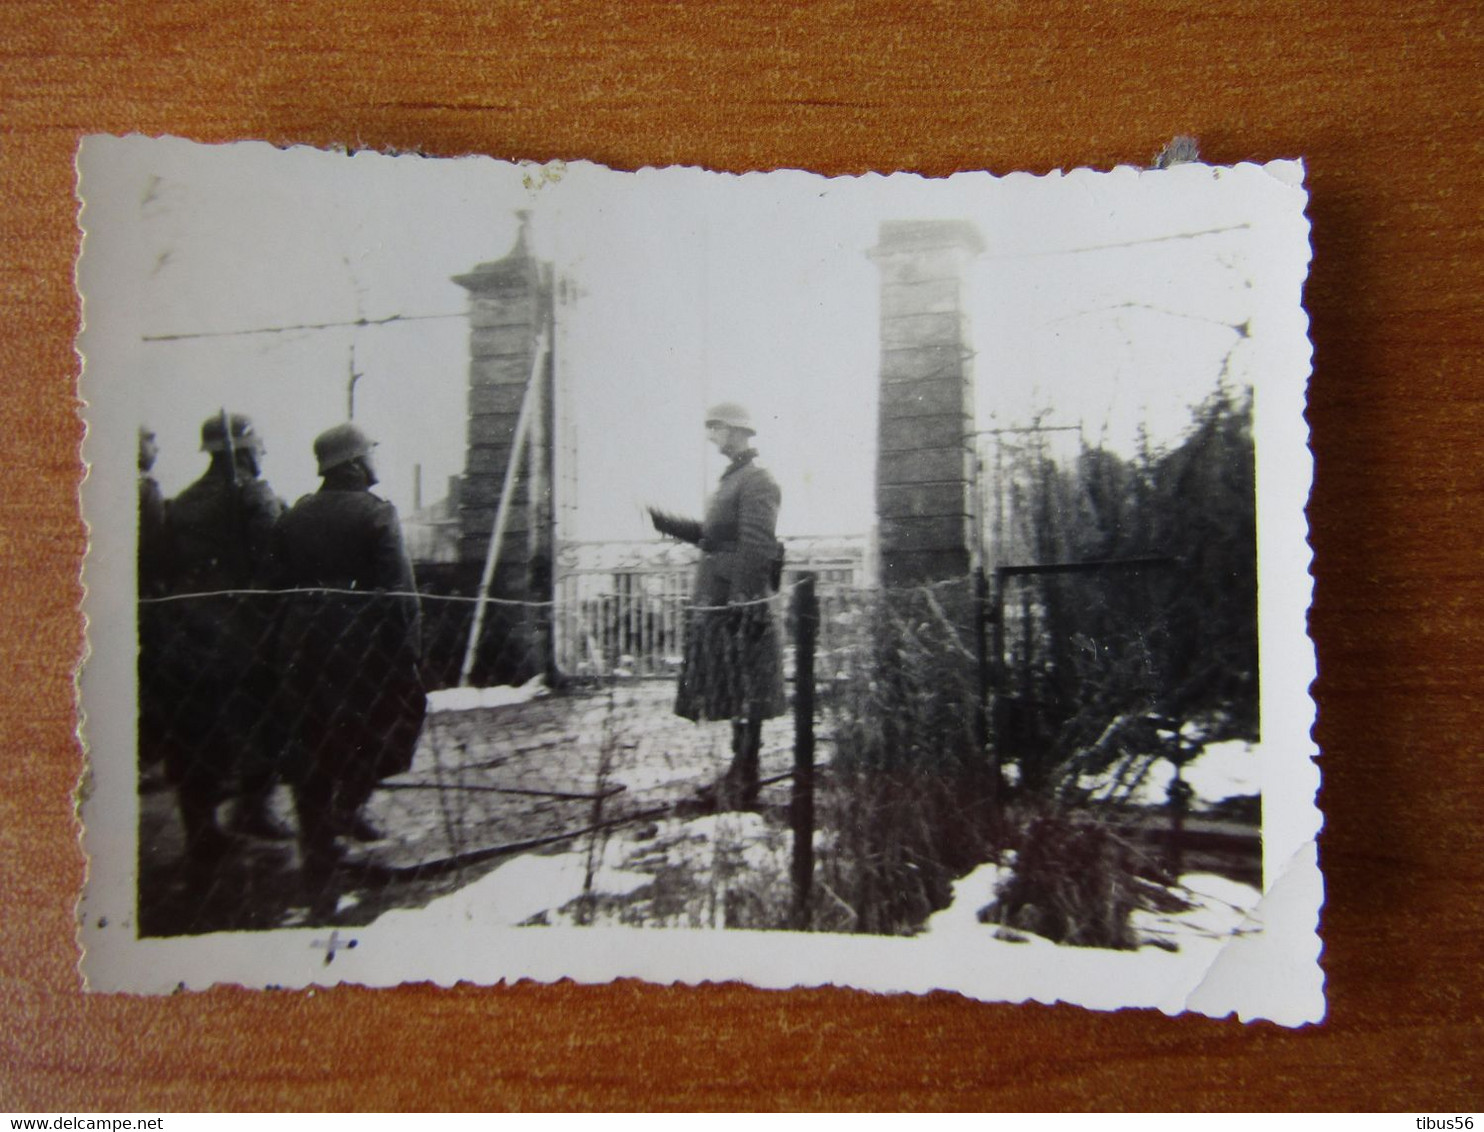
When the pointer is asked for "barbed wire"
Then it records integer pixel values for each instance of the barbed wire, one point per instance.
(164, 599)
(353, 323)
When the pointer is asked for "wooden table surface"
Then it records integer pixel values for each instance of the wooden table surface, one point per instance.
(1382, 100)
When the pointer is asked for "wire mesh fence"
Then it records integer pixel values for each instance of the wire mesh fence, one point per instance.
(294, 771)
(305, 760)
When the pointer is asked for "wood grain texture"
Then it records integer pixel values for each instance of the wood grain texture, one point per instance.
(1384, 103)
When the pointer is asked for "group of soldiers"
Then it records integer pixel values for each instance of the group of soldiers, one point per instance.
(276, 645)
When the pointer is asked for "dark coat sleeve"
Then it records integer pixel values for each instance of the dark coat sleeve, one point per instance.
(686, 530)
(391, 567)
(259, 513)
(392, 570)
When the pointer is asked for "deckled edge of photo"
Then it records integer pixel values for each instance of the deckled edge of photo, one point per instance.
(1272, 974)
(81, 796)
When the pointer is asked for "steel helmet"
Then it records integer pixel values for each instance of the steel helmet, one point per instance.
(214, 434)
(732, 415)
(340, 445)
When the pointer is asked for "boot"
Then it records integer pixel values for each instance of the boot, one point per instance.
(253, 816)
(738, 788)
(206, 844)
(319, 886)
(350, 821)
(358, 827)
(319, 855)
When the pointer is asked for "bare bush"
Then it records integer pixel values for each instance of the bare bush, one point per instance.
(1076, 881)
(911, 800)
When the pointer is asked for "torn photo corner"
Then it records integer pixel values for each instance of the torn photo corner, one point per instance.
(534, 572)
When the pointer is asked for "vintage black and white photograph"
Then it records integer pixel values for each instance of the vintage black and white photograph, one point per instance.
(508, 571)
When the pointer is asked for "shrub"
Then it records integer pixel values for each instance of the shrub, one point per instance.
(910, 801)
(1076, 879)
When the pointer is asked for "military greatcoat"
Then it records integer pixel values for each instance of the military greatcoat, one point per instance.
(733, 665)
(204, 698)
(349, 649)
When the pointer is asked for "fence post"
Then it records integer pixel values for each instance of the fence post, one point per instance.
(996, 670)
(1179, 794)
(982, 731)
(801, 809)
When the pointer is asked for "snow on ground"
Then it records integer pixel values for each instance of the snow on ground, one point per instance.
(1219, 909)
(699, 872)
(1223, 770)
(480, 782)
(970, 893)
(731, 870)
(502, 695)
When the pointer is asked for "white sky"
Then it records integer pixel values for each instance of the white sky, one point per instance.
(1109, 300)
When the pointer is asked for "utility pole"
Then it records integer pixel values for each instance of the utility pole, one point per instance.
(350, 385)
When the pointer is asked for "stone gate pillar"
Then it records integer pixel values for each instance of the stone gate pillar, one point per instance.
(510, 312)
(924, 462)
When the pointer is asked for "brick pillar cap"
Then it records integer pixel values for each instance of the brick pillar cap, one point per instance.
(906, 236)
(517, 263)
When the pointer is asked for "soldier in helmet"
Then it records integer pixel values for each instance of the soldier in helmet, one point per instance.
(350, 649)
(214, 676)
(733, 663)
(221, 525)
